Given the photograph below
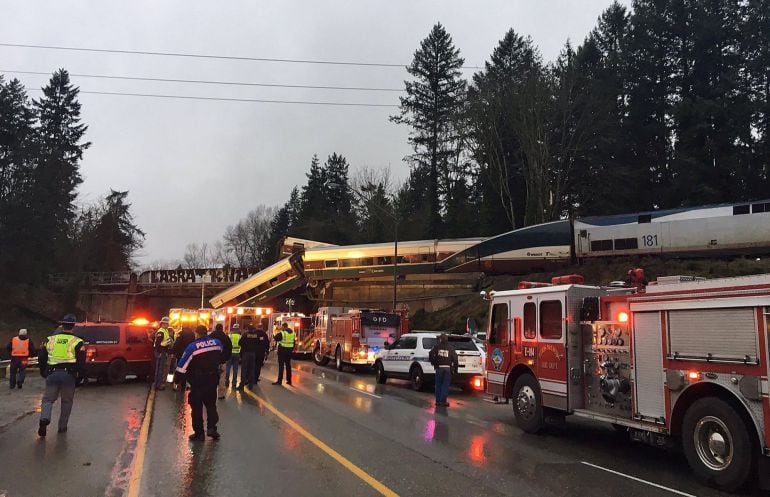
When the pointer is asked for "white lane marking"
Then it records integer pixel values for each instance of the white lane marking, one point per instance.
(365, 393)
(678, 492)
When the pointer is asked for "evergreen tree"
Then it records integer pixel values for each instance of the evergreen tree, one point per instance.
(109, 238)
(59, 150)
(16, 163)
(431, 108)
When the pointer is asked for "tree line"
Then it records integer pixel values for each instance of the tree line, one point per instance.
(665, 105)
(43, 228)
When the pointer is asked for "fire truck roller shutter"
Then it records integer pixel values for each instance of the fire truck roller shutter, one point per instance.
(648, 366)
(728, 334)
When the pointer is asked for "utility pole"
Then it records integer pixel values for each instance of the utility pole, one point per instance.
(206, 278)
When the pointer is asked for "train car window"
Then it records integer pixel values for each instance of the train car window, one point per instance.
(498, 329)
(530, 320)
(330, 263)
(384, 261)
(626, 243)
(366, 261)
(644, 218)
(755, 208)
(551, 323)
(740, 209)
(600, 245)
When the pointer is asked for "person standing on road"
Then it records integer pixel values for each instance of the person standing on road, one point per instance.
(254, 346)
(235, 358)
(60, 361)
(444, 360)
(227, 351)
(285, 341)
(163, 343)
(185, 338)
(200, 363)
(21, 349)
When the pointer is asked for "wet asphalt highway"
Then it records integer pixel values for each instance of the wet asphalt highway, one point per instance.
(390, 434)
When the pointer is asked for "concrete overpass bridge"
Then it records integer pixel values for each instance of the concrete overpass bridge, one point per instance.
(122, 295)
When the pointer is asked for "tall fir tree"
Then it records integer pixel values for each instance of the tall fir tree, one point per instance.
(431, 108)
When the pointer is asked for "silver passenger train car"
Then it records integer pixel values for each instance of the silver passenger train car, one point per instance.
(728, 229)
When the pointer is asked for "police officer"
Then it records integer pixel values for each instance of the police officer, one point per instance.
(163, 343)
(227, 351)
(61, 359)
(185, 337)
(285, 341)
(21, 349)
(235, 358)
(254, 345)
(200, 364)
(444, 360)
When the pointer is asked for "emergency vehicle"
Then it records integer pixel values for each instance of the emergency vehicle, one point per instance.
(243, 316)
(179, 318)
(684, 360)
(302, 326)
(354, 337)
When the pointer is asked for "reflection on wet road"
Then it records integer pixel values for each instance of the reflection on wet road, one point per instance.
(332, 433)
(395, 436)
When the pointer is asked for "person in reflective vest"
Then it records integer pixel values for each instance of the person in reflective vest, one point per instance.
(200, 363)
(285, 340)
(21, 349)
(235, 357)
(162, 345)
(61, 360)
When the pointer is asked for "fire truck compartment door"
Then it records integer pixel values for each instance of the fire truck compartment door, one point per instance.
(648, 366)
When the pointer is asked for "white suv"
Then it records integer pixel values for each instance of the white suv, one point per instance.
(407, 359)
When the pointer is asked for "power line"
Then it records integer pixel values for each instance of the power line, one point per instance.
(207, 56)
(226, 99)
(209, 82)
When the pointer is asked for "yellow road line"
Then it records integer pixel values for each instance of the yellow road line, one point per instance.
(135, 480)
(366, 477)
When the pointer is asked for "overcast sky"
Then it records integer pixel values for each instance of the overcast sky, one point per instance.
(192, 166)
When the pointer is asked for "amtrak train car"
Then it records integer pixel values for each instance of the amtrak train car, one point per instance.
(704, 231)
(534, 248)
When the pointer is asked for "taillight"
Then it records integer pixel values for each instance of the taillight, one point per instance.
(477, 383)
(90, 354)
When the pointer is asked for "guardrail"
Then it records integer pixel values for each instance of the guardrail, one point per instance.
(4, 366)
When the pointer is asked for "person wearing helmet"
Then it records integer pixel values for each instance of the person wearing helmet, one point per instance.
(61, 359)
(21, 349)
(163, 342)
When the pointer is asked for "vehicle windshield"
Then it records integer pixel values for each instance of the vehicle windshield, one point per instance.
(459, 343)
(98, 335)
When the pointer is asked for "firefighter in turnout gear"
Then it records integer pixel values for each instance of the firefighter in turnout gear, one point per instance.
(21, 349)
(285, 340)
(163, 343)
(61, 359)
(200, 364)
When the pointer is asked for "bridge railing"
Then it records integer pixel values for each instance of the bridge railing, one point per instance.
(96, 278)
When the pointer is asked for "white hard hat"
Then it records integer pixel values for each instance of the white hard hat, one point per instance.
(236, 326)
(164, 320)
(23, 332)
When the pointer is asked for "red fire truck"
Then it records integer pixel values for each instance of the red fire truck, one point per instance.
(684, 360)
(354, 337)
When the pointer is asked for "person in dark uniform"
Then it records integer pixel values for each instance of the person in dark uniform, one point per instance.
(227, 351)
(444, 360)
(285, 341)
(248, 357)
(185, 338)
(200, 363)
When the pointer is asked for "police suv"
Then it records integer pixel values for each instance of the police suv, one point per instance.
(407, 358)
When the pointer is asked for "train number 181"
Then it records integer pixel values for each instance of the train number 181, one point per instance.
(650, 240)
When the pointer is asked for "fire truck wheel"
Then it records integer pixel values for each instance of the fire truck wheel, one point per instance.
(717, 444)
(417, 378)
(379, 373)
(338, 360)
(527, 406)
(116, 372)
(318, 356)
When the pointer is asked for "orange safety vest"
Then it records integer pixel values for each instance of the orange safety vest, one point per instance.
(19, 347)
